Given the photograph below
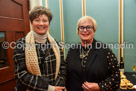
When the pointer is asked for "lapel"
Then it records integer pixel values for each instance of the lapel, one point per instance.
(90, 60)
(91, 57)
(77, 60)
(79, 67)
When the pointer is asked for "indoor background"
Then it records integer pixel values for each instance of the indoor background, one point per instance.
(107, 15)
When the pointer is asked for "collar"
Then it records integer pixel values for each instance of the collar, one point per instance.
(40, 38)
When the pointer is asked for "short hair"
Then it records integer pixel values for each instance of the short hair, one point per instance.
(39, 10)
(84, 18)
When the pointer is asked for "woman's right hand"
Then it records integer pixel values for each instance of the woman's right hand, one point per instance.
(88, 86)
(59, 88)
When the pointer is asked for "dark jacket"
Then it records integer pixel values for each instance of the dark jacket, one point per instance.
(101, 67)
(47, 64)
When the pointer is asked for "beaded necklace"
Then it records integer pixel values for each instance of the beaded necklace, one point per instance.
(83, 53)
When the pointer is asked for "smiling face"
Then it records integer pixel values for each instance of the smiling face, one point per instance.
(40, 24)
(86, 36)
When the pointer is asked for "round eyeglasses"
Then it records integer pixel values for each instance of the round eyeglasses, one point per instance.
(88, 28)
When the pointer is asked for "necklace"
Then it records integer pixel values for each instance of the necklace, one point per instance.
(83, 54)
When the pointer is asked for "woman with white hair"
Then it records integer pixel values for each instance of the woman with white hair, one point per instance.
(90, 65)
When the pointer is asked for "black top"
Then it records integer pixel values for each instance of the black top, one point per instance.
(101, 66)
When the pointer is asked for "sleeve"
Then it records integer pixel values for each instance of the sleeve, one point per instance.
(113, 80)
(29, 80)
(60, 81)
(67, 74)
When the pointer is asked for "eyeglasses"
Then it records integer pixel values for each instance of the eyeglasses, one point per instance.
(88, 28)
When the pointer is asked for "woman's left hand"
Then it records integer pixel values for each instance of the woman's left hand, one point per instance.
(59, 88)
(87, 86)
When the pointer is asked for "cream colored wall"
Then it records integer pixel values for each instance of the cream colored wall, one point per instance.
(34, 3)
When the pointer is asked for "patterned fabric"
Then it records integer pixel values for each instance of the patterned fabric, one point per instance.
(47, 64)
(113, 80)
(31, 54)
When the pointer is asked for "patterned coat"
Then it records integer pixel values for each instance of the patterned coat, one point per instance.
(47, 64)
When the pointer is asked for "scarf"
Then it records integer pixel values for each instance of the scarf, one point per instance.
(31, 54)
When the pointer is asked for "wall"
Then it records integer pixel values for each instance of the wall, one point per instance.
(72, 12)
(106, 13)
(130, 33)
(55, 23)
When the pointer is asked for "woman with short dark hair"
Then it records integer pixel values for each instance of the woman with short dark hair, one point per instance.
(39, 63)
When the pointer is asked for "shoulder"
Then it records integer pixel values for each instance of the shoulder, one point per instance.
(20, 45)
(59, 43)
(103, 47)
(21, 40)
(74, 48)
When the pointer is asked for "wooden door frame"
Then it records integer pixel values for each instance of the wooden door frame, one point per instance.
(7, 73)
